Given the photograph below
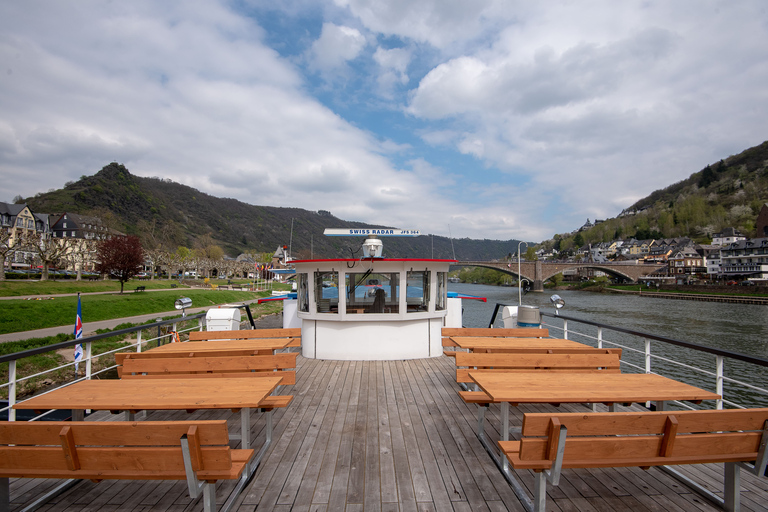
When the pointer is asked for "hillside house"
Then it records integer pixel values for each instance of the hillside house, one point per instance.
(73, 225)
(686, 262)
(727, 237)
(761, 225)
(745, 259)
(20, 223)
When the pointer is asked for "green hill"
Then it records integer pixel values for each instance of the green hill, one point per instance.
(728, 193)
(136, 205)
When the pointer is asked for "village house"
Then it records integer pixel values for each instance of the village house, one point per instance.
(745, 259)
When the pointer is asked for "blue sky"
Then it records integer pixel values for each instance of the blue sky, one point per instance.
(480, 119)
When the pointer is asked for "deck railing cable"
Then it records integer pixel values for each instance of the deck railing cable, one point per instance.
(195, 322)
(654, 359)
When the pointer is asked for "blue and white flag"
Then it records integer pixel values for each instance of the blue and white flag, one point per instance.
(78, 334)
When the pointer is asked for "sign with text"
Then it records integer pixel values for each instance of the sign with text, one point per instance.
(370, 232)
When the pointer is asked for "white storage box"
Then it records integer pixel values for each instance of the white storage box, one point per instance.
(222, 319)
(509, 316)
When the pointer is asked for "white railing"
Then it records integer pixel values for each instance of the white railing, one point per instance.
(195, 321)
(648, 353)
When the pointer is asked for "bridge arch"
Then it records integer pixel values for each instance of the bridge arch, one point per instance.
(496, 266)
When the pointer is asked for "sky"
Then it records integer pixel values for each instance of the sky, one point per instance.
(482, 119)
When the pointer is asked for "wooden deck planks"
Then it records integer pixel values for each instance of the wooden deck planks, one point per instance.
(390, 436)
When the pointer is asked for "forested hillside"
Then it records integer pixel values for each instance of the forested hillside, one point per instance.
(728, 193)
(166, 213)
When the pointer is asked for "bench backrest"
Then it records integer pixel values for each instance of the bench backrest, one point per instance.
(147, 449)
(227, 366)
(644, 438)
(522, 332)
(527, 362)
(245, 334)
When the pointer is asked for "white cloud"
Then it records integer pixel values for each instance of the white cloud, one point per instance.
(393, 66)
(335, 47)
(523, 119)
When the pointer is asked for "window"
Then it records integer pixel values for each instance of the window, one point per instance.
(302, 292)
(372, 293)
(417, 291)
(327, 292)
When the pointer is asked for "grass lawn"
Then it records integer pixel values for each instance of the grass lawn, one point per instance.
(25, 315)
(21, 287)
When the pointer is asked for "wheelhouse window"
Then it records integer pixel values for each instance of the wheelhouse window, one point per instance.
(417, 291)
(369, 292)
(442, 291)
(327, 292)
(302, 292)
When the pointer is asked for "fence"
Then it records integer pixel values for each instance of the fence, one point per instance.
(12, 385)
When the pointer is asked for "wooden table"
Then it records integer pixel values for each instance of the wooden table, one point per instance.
(229, 347)
(611, 388)
(149, 394)
(484, 343)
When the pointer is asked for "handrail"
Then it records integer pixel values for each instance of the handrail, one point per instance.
(648, 355)
(71, 343)
(687, 344)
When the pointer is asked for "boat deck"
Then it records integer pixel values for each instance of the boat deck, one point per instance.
(390, 436)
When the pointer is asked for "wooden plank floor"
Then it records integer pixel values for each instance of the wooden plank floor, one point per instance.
(389, 436)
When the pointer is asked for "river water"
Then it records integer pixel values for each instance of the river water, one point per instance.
(741, 328)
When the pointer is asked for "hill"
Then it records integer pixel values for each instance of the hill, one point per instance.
(183, 216)
(728, 193)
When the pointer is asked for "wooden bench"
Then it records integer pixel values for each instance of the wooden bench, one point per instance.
(195, 451)
(139, 289)
(602, 360)
(552, 442)
(169, 366)
(248, 334)
(522, 332)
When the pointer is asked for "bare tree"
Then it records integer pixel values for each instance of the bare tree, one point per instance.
(79, 253)
(8, 248)
(49, 250)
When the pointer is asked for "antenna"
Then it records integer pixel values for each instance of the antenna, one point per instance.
(290, 240)
(451, 237)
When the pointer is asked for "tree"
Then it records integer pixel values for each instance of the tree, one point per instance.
(8, 248)
(121, 257)
(50, 250)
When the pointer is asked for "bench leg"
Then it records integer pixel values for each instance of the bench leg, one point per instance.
(209, 497)
(245, 427)
(5, 494)
(732, 491)
(540, 492)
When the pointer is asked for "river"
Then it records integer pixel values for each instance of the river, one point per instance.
(739, 328)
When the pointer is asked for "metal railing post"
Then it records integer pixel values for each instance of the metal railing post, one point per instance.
(720, 360)
(647, 355)
(11, 390)
(565, 329)
(138, 341)
(88, 365)
(599, 337)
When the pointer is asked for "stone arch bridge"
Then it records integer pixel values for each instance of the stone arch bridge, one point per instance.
(539, 271)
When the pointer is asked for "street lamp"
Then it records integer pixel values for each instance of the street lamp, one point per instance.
(519, 276)
(183, 303)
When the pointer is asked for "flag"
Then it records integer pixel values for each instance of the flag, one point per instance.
(78, 333)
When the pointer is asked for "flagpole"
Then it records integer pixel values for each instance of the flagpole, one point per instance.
(78, 334)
